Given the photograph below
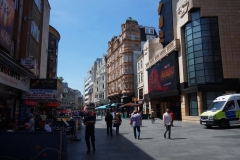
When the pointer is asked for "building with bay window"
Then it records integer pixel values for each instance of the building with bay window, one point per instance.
(123, 52)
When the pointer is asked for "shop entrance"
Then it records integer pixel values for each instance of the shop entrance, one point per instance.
(173, 104)
(158, 108)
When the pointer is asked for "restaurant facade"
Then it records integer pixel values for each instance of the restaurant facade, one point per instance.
(200, 56)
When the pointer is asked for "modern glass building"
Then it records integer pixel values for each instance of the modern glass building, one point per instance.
(202, 35)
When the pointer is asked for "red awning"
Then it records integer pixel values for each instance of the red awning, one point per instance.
(63, 111)
(52, 104)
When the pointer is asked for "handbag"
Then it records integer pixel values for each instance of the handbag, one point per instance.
(115, 124)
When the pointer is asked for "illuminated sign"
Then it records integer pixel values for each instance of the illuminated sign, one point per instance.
(163, 76)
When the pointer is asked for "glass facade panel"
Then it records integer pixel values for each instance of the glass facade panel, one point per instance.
(199, 66)
(196, 22)
(200, 80)
(198, 54)
(208, 98)
(203, 51)
(193, 106)
(198, 60)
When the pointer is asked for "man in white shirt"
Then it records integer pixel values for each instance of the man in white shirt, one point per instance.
(167, 119)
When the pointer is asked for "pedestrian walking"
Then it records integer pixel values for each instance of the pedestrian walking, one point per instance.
(108, 120)
(89, 121)
(118, 122)
(167, 119)
(173, 117)
(136, 122)
(31, 122)
(153, 116)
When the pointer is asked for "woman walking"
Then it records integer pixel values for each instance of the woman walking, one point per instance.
(118, 122)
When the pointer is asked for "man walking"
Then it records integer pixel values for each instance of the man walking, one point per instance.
(153, 116)
(108, 120)
(89, 121)
(167, 119)
(136, 121)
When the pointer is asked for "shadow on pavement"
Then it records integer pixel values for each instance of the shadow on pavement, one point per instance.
(177, 138)
(107, 148)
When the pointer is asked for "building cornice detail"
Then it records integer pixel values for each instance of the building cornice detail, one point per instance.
(173, 46)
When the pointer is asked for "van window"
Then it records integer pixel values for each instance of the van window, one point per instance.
(238, 101)
(229, 106)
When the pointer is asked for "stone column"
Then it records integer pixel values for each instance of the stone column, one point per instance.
(199, 103)
(184, 106)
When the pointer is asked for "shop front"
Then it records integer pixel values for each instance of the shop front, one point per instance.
(163, 86)
(14, 79)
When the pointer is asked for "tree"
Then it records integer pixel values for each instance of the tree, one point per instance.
(60, 78)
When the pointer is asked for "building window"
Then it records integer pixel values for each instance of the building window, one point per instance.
(132, 37)
(126, 86)
(103, 86)
(125, 58)
(129, 58)
(140, 64)
(203, 51)
(126, 69)
(208, 98)
(136, 47)
(193, 106)
(38, 3)
(16, 2)
(35, 31)
(141, 77)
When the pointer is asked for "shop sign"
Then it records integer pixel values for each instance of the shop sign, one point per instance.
(14, 79)
(7, 12)
(163, 76)
(28, 62)
(31, 103)
(40, 94)
(43, 84)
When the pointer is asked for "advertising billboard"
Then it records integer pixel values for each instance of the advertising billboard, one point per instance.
(7, 10)
(43, 84)
(163, 76)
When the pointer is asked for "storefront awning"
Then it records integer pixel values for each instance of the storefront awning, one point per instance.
(52, 104)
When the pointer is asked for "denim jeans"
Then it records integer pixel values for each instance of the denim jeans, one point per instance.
(134, 130)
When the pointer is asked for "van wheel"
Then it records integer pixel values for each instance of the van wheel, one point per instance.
(223, 124)
(209, 127)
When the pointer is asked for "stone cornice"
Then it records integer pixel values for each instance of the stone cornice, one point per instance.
(173, 46)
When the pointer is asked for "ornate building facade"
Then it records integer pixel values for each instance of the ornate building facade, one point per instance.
(123, 52)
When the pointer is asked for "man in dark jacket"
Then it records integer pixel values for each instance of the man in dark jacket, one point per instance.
(108, 120)
(89, 121)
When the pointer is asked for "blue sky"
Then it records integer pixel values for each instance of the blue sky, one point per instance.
(86, 26)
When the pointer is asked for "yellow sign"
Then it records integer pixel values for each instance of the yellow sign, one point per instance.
(160, 23)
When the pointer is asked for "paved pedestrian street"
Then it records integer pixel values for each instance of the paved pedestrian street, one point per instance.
(190, 141)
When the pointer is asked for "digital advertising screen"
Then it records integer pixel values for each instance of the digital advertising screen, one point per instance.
(163, 76)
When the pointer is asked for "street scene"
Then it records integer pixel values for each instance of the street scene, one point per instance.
(189, 141)
(128, 79)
